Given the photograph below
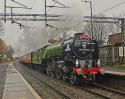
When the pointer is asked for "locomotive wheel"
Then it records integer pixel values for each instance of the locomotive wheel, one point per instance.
(47, 71)
(74, 79)
(52, 73)
(64, 77)
(90, 78)
(59, 74)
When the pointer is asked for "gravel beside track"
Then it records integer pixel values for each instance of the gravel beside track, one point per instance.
(41, 88)
(67, 89)
(114, 90)
(114, 82)
(3, 68)
(105, 91)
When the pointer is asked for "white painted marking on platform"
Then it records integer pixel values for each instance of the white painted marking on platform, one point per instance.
(115, 73)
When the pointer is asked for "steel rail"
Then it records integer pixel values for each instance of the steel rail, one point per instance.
(47, 85)
(79, 87)
(109, 89)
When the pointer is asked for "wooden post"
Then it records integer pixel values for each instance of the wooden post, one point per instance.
(123, 31)
(113, 55)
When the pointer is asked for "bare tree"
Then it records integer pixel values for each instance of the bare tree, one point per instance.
(114, 28)
(2, 46)
(100, 30)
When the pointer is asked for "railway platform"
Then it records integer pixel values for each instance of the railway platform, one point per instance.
(114, 70)
(16, 87)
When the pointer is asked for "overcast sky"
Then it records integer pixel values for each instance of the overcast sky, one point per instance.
(78, 8)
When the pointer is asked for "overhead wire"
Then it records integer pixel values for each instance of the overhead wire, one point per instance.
(60, 3)
(51, 7)
(67, 17)
(121, 3)
(38, 23)
(76, 3)
(47, 13)
(33, 3)
(55, 2)
(97, 14)
(57, 27)
(73, 5)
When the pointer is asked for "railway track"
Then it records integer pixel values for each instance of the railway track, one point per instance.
(99, 86)
(95, 89)
(88, 88)
(63, 96)
(91, 89)
(93, 92)
(73, 87)
(114, 83)
(104, 91)
(109, 89)
(40, 82)
(85, 89)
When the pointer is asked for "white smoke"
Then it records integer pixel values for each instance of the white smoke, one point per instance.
(32, 38)
(37, 36)
(73, 18)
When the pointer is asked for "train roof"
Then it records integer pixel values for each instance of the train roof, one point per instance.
(58, 44)
(69, 40)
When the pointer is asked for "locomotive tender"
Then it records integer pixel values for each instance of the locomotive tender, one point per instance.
(74, 59)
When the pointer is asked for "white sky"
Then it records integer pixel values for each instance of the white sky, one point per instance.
(13, 33)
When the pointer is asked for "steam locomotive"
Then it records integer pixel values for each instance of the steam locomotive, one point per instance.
(75, 59)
